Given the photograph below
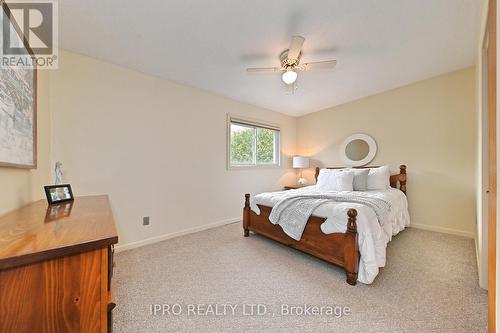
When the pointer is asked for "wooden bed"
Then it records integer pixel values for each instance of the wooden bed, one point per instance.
(337, 248)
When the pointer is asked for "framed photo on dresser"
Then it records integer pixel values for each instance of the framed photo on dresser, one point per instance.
(58, 193)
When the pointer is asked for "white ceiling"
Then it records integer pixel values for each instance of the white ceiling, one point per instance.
(379, 44)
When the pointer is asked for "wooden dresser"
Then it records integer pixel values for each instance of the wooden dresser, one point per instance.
(56, 264)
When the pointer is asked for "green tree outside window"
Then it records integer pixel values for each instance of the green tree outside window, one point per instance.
(252, 145)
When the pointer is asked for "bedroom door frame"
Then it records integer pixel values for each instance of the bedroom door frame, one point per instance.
(491, 51)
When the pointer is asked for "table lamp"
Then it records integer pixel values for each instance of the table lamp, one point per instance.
(301, 162)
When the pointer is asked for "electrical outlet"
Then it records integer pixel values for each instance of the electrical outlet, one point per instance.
(145, 220)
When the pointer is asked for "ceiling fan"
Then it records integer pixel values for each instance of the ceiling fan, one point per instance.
(290, 62)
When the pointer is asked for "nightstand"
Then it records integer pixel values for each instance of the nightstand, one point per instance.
(292, 187)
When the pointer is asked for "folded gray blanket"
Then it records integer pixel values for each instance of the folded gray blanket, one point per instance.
(293, 212)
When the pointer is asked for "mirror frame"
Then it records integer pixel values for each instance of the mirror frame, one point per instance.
(372, 150)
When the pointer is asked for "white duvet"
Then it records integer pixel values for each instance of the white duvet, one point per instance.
(373, 237)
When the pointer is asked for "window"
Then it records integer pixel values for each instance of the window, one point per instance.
(252, 143)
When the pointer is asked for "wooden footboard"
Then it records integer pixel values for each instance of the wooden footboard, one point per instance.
(338, 248)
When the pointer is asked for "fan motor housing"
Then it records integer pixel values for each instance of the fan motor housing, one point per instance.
(285, 62)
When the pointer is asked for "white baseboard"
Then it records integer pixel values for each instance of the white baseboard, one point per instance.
(443, 230)
(156, 239)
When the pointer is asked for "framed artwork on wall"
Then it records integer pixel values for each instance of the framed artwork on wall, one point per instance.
(18, 105)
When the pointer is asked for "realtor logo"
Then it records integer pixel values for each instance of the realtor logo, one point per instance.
(32, 24)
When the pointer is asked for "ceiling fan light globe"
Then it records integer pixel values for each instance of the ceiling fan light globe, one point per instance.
(289, 77)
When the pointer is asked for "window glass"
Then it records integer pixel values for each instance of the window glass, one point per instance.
(252, 145)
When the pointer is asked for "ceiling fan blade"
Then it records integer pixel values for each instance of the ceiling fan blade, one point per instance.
(265, 69)
(317, 65)
(295, 47)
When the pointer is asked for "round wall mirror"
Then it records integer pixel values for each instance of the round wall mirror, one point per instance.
(358, 150)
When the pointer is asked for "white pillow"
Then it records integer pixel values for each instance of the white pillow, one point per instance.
(335, 180)
(378, 178)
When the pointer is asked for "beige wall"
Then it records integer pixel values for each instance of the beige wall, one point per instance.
(156, 147)
(430, 126)
(21, 186)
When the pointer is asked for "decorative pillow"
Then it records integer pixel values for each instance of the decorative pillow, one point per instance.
(378, 178)
(360, 179)
(335, 180)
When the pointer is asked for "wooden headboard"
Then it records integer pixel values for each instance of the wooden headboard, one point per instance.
(397, 181)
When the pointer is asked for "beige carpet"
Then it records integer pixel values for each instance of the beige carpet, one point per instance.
(428, 285)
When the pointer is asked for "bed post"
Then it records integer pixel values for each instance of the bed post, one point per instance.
(246, 216)
(402, 178)
(351, 254)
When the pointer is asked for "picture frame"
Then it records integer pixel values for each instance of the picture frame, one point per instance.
(58, 193)
(18, 120)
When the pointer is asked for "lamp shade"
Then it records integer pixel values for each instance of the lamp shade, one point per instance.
(300, 162)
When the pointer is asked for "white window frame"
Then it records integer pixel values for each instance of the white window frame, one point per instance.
(234, 119)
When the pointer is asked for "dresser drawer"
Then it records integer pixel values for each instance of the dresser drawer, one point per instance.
(71, 286)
